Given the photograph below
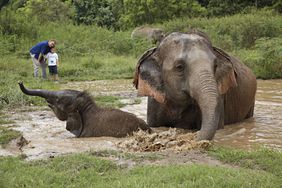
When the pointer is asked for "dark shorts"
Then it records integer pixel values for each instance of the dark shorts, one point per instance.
(53, 70)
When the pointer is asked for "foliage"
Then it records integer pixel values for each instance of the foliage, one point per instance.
(15, 25)
(225, 7)
(266, 58)
(124, 14)
(3, 3)
(238, 31)
(140, 12)
(47, 10)
(98, 12)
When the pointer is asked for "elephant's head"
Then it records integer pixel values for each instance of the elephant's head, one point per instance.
(185, 68)
(61, 102)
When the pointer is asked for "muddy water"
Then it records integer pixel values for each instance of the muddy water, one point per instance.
(264, 129)
(47, 136)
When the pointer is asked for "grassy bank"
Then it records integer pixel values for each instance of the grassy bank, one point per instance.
(87, 170)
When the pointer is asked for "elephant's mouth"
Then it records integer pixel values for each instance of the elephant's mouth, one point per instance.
(180, 99)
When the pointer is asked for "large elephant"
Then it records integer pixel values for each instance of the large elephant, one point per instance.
(192, 84)
(84, 118)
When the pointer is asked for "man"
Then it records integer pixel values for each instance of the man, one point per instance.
(37, 54)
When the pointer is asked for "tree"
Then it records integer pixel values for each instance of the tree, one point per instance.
(48, 10)
(3, 3)
(104, 13)
(227, 7)
(137, 12)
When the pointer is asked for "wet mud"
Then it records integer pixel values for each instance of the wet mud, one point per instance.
(172, 139)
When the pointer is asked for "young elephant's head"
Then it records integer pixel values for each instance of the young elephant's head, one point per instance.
(61, 102)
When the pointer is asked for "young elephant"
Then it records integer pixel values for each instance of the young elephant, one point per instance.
(84, 118)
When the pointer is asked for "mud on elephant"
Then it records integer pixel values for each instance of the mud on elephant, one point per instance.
(192, 84)
(84, 118)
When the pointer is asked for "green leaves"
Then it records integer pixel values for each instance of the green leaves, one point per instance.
(138, 12)
(98, 12)
(48, 10)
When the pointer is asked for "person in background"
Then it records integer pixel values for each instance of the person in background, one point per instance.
(37, 54)
(53, 62)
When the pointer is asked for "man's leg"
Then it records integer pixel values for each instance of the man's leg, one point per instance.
(43, 67)
(35, 66)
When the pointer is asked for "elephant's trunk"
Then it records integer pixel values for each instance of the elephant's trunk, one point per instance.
(37, 92)
(207, 97)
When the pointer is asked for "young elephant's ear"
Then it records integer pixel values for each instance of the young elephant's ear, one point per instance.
(148, 79)
(224, 71)
(74, 123)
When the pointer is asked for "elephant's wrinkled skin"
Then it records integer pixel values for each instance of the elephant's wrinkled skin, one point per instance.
(84, 118)
(193, 85)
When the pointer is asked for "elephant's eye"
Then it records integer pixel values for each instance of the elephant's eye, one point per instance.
(179, 67)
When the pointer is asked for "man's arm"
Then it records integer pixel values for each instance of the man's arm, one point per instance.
(41, 56)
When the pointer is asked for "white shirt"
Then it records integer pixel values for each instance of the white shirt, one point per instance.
(52, 59)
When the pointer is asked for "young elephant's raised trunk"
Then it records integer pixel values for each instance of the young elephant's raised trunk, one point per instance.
(36, 92)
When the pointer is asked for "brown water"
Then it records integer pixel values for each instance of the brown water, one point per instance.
(264, 129)
(47, 136)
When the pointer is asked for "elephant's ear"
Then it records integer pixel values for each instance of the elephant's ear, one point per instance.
(224, 71)
(75, 124)
(148, 78)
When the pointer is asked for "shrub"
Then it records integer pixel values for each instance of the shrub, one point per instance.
(265, 58)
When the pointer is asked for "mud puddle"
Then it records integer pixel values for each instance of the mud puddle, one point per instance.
(47, 136)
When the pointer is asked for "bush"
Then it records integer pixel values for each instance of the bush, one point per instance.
(241, 30)
(265, 58)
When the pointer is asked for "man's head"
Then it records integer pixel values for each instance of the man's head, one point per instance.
(51, 43)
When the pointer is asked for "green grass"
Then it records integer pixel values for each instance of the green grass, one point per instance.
(3, 119)
(97, 67)
(7, 134)
(109, 101)
(85, 170)
(261, 159)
